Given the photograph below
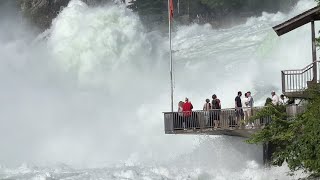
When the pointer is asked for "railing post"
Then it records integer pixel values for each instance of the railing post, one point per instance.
(283, 82)
(314, 53)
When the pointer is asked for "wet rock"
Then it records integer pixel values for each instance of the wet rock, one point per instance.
(42, 12)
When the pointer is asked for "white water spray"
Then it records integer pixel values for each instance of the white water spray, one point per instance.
(93, 91)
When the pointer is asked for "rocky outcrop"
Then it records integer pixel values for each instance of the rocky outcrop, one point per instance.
(41, 12)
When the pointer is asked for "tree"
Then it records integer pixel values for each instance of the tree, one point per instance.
(296, 141)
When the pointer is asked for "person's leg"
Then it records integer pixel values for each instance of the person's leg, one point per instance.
(245, 116)
(251, 122)
(218, 118)
(242, 114)
(215, 119)
(238, 117)
(187, 122)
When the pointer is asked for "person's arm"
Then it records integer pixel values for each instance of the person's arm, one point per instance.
(235, 103)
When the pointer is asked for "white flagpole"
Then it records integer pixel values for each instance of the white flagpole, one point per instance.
(170, 47)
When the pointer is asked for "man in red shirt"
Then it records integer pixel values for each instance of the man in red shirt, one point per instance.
(187, 108)
(187, 113)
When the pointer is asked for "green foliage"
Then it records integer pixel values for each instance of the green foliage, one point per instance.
(297, 141)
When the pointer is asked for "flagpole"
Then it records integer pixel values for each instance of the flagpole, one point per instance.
(170, 47)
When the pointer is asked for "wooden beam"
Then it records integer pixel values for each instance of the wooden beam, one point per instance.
(298, 21)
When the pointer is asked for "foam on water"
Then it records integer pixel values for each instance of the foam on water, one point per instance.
(89, 92)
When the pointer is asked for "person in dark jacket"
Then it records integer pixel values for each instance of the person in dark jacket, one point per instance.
(216, 106)
(238, 108)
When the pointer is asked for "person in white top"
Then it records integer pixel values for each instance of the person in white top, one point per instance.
(245, 105)
(207, 105)
(250, 100)
(275, 98)
(249, 108)
(282, 100)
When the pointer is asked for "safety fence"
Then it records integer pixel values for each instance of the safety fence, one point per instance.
(220, 119)
(298, 80)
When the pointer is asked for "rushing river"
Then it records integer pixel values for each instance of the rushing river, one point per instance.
(84, 99)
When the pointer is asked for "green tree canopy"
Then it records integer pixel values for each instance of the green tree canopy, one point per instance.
(296, 141)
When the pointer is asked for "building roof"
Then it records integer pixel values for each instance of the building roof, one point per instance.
(297, 21)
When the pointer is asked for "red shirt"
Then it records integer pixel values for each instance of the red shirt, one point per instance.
(187, 108)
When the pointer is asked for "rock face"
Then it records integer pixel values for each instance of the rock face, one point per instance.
(41, 12)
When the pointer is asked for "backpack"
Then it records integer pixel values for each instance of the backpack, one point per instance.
(215, 104)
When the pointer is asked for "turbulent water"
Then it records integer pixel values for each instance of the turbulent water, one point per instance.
(83, 100)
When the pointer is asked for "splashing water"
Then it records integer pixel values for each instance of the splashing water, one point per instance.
(90, 93)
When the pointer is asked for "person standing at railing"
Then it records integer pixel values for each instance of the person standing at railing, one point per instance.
(207, 108)
(216, 107)
(245, 105)
(250, 107)
(275, 98)
(282, 100)
(207, 105)
(187, 112)
(238, 108)
(180, 122)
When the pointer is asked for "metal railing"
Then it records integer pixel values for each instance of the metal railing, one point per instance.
(299, 79)
(220, 119)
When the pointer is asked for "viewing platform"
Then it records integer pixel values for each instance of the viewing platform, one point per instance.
(296, 81)
(202, 122)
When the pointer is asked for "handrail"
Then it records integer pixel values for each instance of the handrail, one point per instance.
(256, 107)
(302, 68)
(200, 122)
(297, 72)
(297, 81)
